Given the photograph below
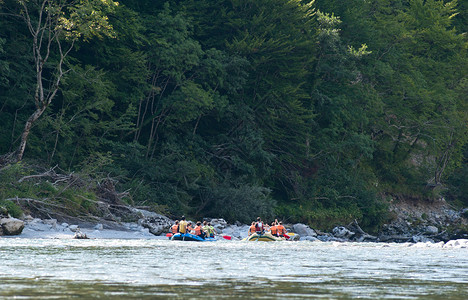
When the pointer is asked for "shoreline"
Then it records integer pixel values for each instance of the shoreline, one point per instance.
(51, 229)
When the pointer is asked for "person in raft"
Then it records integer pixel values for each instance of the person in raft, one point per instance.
(209, 229)
(266, 227)
(280, 229)
(273, 229)
(259, 228)
(198, 230)
(182, 225)
(175, 227)
(189, 227)
(252, 229)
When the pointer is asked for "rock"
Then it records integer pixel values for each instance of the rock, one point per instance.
(99, 227)
(219, 223)
(432, 230)
(155, 223)
(28, 218)
(303, 230)
(11, 226)
(421, 239)
(80, 235)
(342, 232)
(324, 238)
(74, 228)
(309, 238)
(51, 222)
(37, 225)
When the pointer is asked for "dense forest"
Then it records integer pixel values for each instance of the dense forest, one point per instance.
(317, 112)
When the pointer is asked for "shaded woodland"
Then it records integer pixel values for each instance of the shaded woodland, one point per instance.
(316, 112)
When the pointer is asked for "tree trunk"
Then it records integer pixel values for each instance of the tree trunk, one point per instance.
(27, 129)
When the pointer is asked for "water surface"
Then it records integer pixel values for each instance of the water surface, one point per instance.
(140, 269)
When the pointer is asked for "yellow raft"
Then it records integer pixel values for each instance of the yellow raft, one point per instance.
(266, 237)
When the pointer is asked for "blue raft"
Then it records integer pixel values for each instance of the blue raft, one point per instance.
(190, 237)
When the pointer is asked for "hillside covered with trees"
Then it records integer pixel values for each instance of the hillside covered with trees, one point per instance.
(315, 112)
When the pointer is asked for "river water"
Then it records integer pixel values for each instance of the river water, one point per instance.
(161, 269)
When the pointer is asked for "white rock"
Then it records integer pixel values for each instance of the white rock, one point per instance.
(303, 230)
(218, 223)
(342, 232)
(99, 227)
(74, 228)
(51, 222)
(421, 239)
(432, 230)
(11, 226)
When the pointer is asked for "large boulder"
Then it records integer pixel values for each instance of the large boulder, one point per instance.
(11, 226)
(156, 223)
(342, 232)
(303, 230)
(219, 224)
(431, 230)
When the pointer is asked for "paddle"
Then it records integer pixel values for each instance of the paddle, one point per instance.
(169, 234)
(286, 236)
(227, 237)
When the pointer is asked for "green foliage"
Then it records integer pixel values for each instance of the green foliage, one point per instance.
(238, 108)
(73, 200)
(4, 68)
(240, 202)
(457, 183)
(11, 208)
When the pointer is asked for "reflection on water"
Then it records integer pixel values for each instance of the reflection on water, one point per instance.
(163, 269)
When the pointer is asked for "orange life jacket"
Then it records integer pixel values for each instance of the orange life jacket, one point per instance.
(252, 229)
(198, 230)
(175, 228)
(273, 230)
(281, 229)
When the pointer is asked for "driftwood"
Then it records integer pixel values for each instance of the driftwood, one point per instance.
(361, 235)
(56, 177)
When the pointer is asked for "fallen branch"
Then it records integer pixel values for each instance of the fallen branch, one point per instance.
(29, 200)
(354, 226)
(48, 173)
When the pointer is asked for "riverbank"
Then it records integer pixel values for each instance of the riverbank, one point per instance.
(413, 222)
(36, 228)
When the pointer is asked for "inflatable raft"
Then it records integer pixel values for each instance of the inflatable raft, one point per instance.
(267, 237)
(190, 237)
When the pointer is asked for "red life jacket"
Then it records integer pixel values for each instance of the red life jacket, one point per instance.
(259, 226)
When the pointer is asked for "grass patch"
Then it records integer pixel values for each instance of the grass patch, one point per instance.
(69, 198)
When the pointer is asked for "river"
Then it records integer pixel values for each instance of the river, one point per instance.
(161, 269)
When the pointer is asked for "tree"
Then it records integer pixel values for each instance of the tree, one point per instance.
(54, 27)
